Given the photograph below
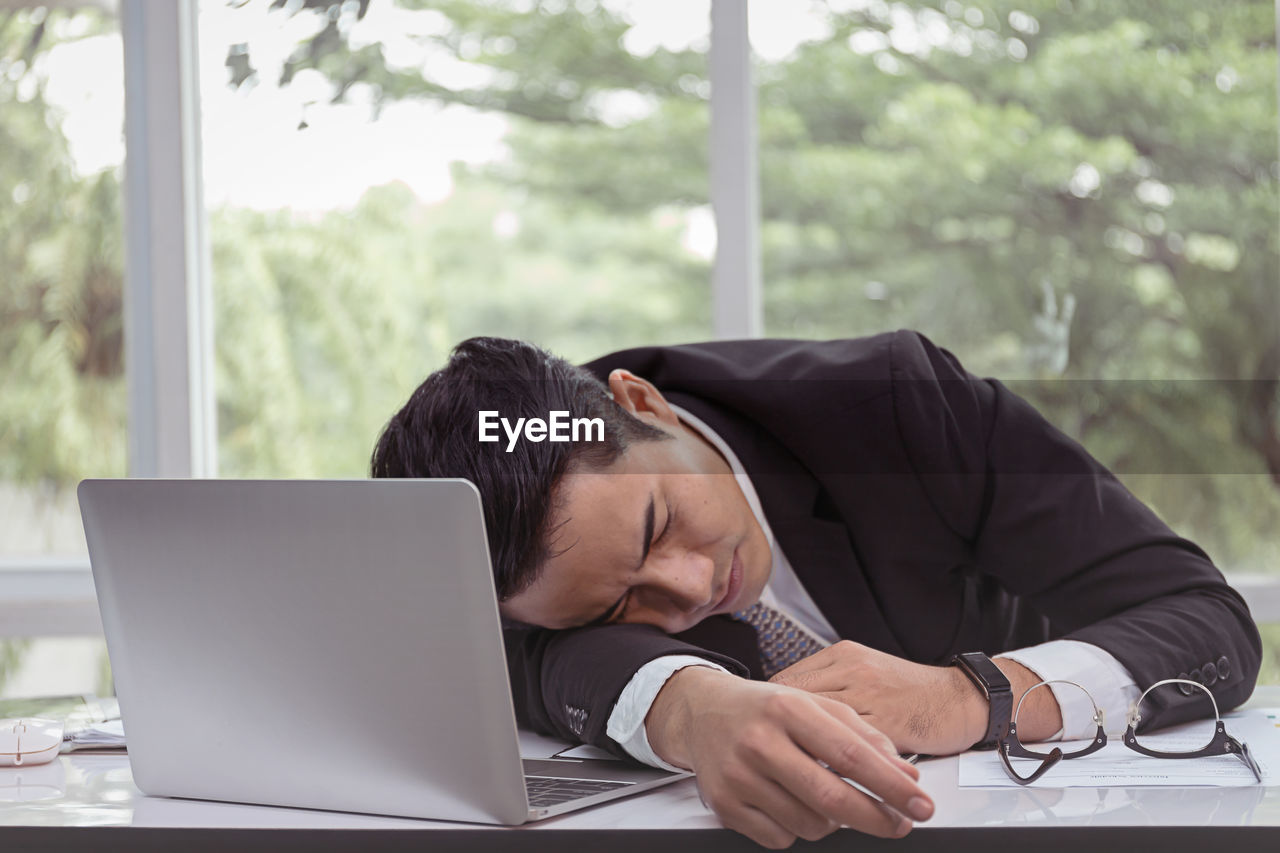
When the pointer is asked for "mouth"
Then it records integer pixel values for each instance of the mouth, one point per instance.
(726, 604)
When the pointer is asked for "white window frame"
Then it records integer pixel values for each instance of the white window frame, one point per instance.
(737, 296)
(168, 311)
(168, 317)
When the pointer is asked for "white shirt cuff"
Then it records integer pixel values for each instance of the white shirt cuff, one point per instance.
(1091, 667)
(626, 723)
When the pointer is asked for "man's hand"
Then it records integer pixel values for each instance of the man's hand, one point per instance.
(929, 709)
(755, 748)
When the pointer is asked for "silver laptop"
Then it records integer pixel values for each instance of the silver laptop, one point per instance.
(322, 644)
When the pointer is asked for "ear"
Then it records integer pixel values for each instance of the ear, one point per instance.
(640, 398)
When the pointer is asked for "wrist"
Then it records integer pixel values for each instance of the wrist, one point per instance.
(1040, 716)
(974, 709)
(995, 690)
(671, 715)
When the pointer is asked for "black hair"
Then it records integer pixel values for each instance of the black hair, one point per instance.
(436, 434)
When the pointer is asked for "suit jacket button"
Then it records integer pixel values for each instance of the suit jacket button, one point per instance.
(1185, 689)
(1210, 673)
(1224, 668)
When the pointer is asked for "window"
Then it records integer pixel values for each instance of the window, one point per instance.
(385, 183)
(61, 336)
(63, 410)
(1077, 196)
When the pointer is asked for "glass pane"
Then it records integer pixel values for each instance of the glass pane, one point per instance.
(1079, 195)
(384, 182)
(1270, 672)
(54, 666)
(63, 407)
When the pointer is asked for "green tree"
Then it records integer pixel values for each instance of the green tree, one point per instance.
(325, 326)
(61, 340)
(1053, 188)
(62, 395)
(1077, 192)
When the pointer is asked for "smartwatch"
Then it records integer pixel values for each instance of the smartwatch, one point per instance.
(995, 687)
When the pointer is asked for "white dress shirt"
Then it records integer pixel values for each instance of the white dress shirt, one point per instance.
(1105, 677)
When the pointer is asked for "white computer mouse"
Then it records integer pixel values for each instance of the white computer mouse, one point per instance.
(29, 740)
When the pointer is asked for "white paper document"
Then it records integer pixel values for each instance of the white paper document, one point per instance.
(1117, 765)
(108, 735)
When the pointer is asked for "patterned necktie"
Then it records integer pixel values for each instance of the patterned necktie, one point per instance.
(782, 641)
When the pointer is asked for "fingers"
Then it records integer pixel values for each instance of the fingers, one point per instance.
(837, 800)
(812, 679)
(770, 759)
(776, 816)
(767, 832)
(731, 799)
(879, 739)
(853, 749)
(773, 817)
(825, 670)
(800, 672)
(759, 827)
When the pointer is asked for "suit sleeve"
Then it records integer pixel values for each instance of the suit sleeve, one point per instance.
(565, 683)
(1053, 526)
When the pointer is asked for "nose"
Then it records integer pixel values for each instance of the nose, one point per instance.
(686, 580)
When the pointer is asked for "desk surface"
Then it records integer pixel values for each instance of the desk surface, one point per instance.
(85, 801)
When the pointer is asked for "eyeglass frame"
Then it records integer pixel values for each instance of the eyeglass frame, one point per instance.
(1221, 744)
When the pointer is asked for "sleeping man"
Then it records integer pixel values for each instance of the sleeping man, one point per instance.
(744, 558)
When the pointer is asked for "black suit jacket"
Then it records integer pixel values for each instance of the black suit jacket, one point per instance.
(927, 512)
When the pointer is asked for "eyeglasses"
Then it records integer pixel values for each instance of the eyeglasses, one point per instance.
(1220, 743)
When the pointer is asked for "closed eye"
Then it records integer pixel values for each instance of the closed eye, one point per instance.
(667, 525)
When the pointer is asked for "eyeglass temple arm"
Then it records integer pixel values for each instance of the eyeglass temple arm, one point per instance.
(1045, 765)
(1247, 757)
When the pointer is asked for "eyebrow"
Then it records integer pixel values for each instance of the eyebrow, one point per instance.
(644, 555)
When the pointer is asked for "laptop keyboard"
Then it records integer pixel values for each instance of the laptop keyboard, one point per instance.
(546, 791)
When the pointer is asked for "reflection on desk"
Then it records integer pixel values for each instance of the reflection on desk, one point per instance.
(87, 790)
(98, 790)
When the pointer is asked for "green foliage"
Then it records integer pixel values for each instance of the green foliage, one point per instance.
(1270, 673)
(546, 60)
(310, 367)
(1075, 193)
(1046, 154)
(62, 409)
(11, 654)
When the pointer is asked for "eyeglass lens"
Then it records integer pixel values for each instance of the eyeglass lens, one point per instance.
(1193, 736)
(1042, 751)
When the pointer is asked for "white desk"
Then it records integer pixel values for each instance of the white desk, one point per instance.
(89, 801)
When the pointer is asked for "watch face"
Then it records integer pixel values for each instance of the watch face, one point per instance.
(996, 689)
(985, 670)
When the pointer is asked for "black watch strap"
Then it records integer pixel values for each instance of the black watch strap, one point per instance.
(995, 687)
